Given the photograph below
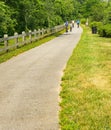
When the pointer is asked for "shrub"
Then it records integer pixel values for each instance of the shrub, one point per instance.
(105, 30)
(108, 30)
(101, 31)
(83, 20)
(96, 24)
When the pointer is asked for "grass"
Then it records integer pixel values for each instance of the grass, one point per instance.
(86, 85)
(4, 57)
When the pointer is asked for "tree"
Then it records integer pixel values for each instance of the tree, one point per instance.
(98, 12)
(64, 9)
(23, 15)
(7, 24)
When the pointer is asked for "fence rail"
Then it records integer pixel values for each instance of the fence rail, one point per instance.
(12, 42)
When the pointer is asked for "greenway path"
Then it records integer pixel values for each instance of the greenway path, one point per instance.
(30, 85)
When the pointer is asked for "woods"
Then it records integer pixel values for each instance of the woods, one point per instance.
(24, 15)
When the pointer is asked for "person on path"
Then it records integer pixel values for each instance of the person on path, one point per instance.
(70, 26)
(73, 23)
(66, 24)
(78, 23)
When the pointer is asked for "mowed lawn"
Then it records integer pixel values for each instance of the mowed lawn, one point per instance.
(86, 85)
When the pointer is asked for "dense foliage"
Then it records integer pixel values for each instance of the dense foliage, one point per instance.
(20, 15)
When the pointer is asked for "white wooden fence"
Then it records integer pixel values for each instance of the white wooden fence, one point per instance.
(18, 40)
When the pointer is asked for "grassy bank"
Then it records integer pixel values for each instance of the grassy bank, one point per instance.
(86, 86)
(4, 57)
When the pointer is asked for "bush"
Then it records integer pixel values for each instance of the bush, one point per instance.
(83, 21)
(105, 30)
(101, 31)
(95, 24)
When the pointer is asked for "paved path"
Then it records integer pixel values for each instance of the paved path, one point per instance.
(30, 85)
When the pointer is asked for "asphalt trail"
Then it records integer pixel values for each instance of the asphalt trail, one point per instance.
(30, 85)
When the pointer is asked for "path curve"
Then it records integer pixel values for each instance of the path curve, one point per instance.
(30, 85)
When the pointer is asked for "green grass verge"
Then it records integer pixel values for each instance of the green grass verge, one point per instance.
(4, 57)
(86, 85)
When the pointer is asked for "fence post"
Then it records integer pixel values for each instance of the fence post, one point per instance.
(23, 37)
(48, 31)
(30, 36)
(16, 39)
(35, 34)
(52, 30)
(39, 33)
(42, 32)
(55, 29)
(6, 42)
